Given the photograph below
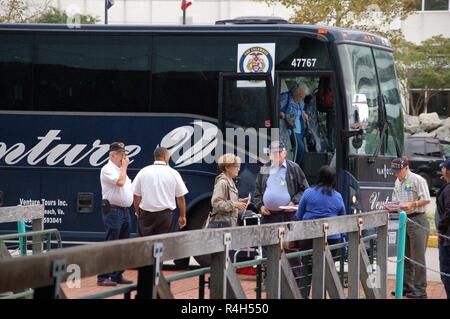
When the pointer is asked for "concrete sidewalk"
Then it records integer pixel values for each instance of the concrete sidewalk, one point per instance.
(432, 258)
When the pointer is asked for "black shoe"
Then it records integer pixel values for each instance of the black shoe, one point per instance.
(123, 281)
(404, 293)
(416, 295)
(107, 283)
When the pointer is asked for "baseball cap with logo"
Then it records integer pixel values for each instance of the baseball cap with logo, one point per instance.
(445, 164)
(117, 147)
(399, 163)
(277, 146)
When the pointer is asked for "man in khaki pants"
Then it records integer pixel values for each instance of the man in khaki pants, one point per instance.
(411, 190)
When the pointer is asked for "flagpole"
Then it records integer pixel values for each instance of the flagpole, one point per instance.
(184, 11)
(106, 11)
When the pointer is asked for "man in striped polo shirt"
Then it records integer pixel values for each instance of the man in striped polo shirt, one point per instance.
(411, 190)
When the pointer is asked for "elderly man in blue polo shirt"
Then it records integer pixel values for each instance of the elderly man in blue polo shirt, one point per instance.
(279, 183)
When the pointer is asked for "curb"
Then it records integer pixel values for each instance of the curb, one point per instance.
(433, 241)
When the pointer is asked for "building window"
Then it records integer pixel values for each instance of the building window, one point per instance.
(436, 5)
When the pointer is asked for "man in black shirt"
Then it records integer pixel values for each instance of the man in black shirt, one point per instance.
(442, 220)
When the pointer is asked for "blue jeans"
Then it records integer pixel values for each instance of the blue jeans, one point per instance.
(444, 263)
(117, 225)
(300, 148)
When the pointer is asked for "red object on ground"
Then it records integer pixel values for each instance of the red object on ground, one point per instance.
(185, 4)
(251, 271)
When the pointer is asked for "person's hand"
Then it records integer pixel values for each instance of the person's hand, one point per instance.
(138, 213)
(291, 209)
(305, 116)
(243, 200)
(407, 206)
(241, 205)
(357, 126)
(282, 115)
(265, 211)
(125, 162)
(181, 222)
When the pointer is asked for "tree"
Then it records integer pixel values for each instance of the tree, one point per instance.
(426, 67)
(53, 15)
(360, 14)
(22, 11)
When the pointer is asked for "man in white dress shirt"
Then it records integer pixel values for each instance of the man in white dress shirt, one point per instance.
(158, 189)
(117, 197)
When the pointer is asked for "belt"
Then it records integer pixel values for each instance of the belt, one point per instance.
(118, 207)
(168, 210)
(281, 212)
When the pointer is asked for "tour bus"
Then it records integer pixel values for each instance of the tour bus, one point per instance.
(67, 92)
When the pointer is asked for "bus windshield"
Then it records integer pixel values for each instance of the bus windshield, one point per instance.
(373, 98)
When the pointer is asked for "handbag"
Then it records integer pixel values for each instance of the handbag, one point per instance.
(211, 223)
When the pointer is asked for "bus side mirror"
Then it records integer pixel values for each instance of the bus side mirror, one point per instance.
(359, 113)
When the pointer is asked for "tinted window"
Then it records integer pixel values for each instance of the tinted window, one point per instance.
(15, 72)
(92, 73)
(436, 5)
(361, 86)
(391, 97)
(186, 73)
(186, 68)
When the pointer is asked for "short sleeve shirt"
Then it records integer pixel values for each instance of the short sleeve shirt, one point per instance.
(158, 185)
(414, 187)
(119, 196)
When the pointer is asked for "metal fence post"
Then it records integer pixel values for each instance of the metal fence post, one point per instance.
(401, 239)
(21, 230)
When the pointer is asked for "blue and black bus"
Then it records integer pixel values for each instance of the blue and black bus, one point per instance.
(66, 93)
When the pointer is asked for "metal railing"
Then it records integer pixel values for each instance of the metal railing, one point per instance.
(148, 253)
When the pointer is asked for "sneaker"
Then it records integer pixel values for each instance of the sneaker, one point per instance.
(107, 283)
(123, 281)
(416, 295)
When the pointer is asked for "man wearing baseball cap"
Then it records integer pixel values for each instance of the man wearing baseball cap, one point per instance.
(117, 197)
(411, 190)
(442, 220)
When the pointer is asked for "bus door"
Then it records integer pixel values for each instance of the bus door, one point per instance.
(313, 91)
(374, 130)
(246, 119)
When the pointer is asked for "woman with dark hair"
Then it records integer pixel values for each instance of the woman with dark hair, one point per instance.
(320, 201)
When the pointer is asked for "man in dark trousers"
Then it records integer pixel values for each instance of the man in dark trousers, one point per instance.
(442, 220)
(158, 189)
(117, 197)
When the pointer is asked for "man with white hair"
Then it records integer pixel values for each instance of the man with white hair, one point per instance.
(117, 197)
(292, 109)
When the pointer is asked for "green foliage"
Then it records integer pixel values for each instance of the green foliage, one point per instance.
(425, 66)
(348, 13)
(20, 11)
(53, 15)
